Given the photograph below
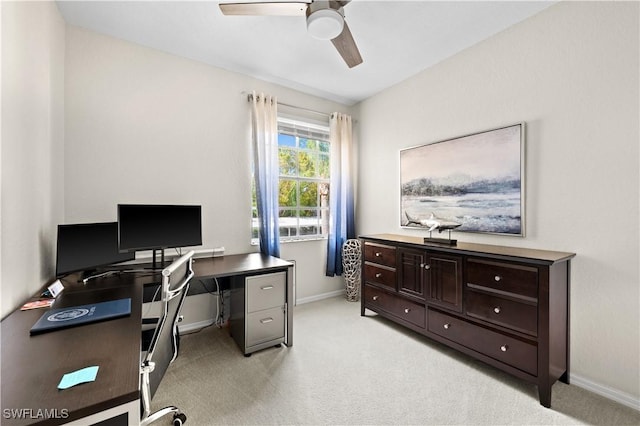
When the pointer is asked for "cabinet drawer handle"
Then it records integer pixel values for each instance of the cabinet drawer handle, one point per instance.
(375, 298)
(447, 326)
(497, 278)
(496, 309)
(266, 287)
(266, 320)
(427, 266)
(504, 348)
(378, 275)
(407, 310)
(378, 254)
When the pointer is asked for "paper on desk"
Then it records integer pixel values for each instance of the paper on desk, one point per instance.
(84, 375)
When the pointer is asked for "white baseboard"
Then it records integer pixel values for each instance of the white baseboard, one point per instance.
(194, 326)
(605, 391)
(319, 297)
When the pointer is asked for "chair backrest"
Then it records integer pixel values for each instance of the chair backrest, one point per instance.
(164, 348)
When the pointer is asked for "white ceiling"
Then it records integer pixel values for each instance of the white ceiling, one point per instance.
(397, 39)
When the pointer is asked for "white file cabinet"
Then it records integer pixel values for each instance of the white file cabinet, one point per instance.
(258, 311)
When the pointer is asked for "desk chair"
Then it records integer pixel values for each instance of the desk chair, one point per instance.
(163, 346)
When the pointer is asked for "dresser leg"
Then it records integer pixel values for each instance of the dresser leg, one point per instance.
(545, 395)
(565, 377)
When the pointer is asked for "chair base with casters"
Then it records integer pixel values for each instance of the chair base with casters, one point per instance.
(160, 343)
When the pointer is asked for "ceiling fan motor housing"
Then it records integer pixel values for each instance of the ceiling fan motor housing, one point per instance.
(325, 19)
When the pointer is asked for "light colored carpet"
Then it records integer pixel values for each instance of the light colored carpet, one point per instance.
(351, 370)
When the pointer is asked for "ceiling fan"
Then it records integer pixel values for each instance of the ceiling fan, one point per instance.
(325, 21)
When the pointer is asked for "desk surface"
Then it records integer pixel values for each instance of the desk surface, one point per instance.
(238, 264)
(32, 366)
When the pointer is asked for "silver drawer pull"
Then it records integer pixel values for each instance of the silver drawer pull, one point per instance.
(497, 278)
(407, 310)
(375, 298)
(504, 348)
(378, 275)
(447, 326)
(496, 309)
(266, 320)
(427, 266)
(378, 254)
(266, 287)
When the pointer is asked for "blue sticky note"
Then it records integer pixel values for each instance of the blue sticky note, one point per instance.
(80, 376)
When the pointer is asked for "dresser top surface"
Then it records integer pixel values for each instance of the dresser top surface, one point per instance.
(520, 253)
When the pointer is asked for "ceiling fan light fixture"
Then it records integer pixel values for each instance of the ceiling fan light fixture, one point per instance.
(325, 24)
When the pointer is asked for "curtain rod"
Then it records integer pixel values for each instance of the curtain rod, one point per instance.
(324, 114)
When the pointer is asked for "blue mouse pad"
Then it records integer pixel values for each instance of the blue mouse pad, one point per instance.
(71, 316)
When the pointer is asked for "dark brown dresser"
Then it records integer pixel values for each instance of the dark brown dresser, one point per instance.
(506, 306)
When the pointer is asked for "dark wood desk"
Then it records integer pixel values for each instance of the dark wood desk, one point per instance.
(250, 264)
(237, 264)
(32, 366)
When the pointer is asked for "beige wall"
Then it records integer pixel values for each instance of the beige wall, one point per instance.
(143, 126)
(32, 146)
(571, 73)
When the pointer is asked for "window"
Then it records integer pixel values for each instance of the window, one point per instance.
(304, 153)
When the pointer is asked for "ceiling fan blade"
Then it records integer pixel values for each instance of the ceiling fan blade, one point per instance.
(347, 48)
(265, 8)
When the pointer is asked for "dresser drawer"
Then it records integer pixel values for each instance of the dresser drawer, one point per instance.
(503, 348)
(504, 277)
(395, 305)
(380, 275)
(508, 313)
(265, 291)
(264, 326)
(380, 254)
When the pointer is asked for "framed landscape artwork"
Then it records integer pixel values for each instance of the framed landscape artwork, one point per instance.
(476, 181)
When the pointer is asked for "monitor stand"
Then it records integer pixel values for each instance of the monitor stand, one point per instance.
(155, 264)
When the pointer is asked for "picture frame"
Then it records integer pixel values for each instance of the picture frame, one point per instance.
(476, 181)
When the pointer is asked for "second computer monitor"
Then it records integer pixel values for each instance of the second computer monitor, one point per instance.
(87, 246)
(158, 226)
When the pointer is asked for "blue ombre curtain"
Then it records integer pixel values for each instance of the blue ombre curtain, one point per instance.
(264, 137)
(341, 197)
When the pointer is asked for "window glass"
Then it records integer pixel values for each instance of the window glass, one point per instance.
(304, 165)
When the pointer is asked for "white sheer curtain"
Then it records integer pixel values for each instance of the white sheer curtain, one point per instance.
(341, 192)
(264, 135)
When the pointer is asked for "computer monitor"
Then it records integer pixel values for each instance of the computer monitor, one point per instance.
(153, 227)
(87, 246)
